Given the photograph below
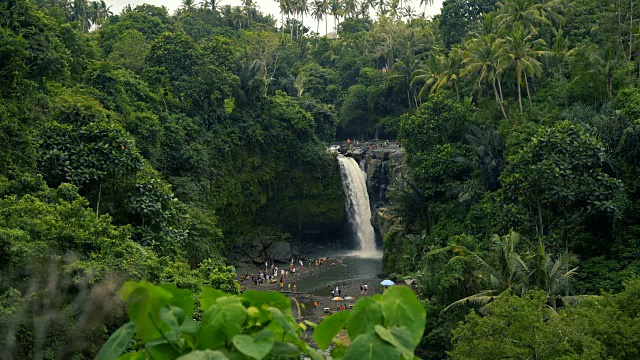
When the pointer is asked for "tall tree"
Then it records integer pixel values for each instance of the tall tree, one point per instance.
(248, 8)
(317, 12)
(481, 58)
(521, 53)
(350, 7)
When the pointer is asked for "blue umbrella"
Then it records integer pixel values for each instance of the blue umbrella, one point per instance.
(387, 283)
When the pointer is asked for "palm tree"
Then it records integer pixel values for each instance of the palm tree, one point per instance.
(210, 5)
(553, 276)
(381, 5)
(393, 8)
(237, 16)
(426, 3)
(283, 6)
(408, 12)
(429, 74)
(317, 12)
(519, 54)
(188, 4)
(326, 7)
(248, 6)
(451, 72)
(365, 5)
(481, 59)
(80, 12)
(227, 13)
(559, 49)
(529, 13)
(350, 7)
(603, 61)
(336, 10)
(403, 70)
(303, 9)
(504, 271)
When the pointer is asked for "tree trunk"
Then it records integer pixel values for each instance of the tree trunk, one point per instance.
(519, 96)
(98, 202)
(630, 39)
(500, 88)
(526, 83)
(498, 98)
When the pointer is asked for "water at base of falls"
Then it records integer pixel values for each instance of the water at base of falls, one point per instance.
(358, 208)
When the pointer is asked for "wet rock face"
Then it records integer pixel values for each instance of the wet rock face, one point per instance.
(385, 168)
(383, 162)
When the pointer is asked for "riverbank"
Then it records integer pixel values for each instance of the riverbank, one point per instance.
(322, 295)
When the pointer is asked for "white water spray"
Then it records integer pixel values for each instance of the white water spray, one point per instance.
(355, 188)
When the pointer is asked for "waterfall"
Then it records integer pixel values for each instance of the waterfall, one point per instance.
(358, 208)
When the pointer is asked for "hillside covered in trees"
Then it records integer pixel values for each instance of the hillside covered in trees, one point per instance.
(158, 147)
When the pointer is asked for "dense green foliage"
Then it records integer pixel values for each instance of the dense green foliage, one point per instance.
(527, 130)
(258, 325)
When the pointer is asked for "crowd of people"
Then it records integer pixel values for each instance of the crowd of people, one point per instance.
(272, 274)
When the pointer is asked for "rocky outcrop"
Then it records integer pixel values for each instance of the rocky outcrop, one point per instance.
(385, 167)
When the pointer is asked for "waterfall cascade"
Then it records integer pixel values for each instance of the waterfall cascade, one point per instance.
(358, 207)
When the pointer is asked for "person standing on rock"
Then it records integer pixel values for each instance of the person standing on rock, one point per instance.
(289, 286)
(294, 288)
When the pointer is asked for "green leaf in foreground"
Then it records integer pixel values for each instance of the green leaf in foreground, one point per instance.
(399, 337)
(400, 307)
(208, 297)
(329, 328)
(204, 355)
(365, 315)
(117, 342)
(255, 347)
(371, 347)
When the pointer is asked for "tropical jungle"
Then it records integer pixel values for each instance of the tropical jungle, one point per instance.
(149, 153)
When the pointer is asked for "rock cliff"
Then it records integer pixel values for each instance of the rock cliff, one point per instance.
(385, 167)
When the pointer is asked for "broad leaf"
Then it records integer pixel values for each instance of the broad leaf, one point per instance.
(204, 355)
(182, 298)
(117, 342)
(364, 317)
(399, 337)
(144, 301)
(224, 319)
(329, 328)
(261, 299)
(208, 297)
(285, 349)
(400, 307)
(371, 347)
(255, 347)
(138, 355)
(172, 316)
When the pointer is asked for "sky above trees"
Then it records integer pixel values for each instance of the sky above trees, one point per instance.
(266, 6)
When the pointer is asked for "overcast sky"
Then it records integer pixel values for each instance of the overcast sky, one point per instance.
(266, 6)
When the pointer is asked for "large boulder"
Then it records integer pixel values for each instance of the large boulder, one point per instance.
(280, 251)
